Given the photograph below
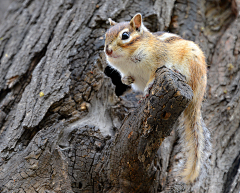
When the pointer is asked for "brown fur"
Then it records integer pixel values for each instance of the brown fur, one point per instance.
(172, 39)
(160, 49)
(112, 33)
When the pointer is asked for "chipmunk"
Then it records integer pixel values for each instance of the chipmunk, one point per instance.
(136, 53)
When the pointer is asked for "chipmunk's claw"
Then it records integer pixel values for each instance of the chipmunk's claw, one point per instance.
(142, 98)
(127, 80)
(175, 70)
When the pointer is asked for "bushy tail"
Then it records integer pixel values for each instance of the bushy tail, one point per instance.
(193, 141)
(193, 130)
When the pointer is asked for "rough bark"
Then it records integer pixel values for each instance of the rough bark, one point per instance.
(62, 127)
(131, 167)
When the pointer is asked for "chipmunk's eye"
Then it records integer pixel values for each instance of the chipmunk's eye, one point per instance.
(125, 35)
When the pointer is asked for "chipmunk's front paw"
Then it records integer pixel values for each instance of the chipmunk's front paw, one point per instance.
(127, 80)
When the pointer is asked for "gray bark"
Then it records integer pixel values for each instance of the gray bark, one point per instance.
(62, 127)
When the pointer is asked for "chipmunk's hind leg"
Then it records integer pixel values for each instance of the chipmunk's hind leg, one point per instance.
(149, 85)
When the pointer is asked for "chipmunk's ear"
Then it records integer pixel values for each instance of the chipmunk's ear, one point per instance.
(112, 23)
(136, 22)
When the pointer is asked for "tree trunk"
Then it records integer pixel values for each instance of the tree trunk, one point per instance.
(65, 127)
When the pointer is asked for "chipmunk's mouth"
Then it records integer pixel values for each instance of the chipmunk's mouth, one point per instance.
(114, 56)
(109, 52)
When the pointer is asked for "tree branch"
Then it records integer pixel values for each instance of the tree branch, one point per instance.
(134, 148)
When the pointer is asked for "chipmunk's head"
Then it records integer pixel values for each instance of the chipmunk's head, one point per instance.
(122, 38)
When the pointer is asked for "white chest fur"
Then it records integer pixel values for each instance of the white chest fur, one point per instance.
(135, 66)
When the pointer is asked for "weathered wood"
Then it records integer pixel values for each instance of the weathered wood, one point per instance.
(59, 112)
(131, 159)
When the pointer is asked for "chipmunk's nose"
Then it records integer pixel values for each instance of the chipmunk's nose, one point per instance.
(108, 50)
